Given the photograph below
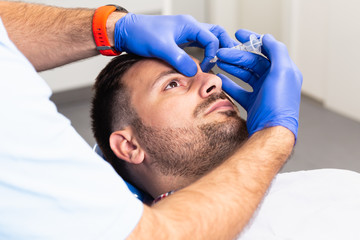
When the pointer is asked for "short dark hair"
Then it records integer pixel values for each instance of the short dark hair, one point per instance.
(111, 106)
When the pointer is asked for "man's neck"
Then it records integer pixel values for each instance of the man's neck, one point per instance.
(165, 184)
(155, 183)
(162, 196)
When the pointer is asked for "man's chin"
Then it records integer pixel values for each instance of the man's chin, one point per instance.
(230, 113)
(221, 115)
(230, 124)
(228, 116)
(234, 124)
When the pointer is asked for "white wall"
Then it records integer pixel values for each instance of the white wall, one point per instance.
(261, 16)
(137, 6)
(343, 85)
(196, 8)
(309, 24)
(324, 37)
(224, 13)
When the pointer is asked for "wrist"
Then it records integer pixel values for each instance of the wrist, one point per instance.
(288, 121)
(278, 140)
(110, 25)
(103, 28)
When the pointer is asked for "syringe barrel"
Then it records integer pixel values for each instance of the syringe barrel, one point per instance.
(254, 45)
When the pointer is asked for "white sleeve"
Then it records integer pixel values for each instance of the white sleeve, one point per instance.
(52, 185)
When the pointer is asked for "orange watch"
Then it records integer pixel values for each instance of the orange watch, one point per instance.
(99, 29)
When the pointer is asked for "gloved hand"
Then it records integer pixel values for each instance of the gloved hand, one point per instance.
(276, 84)
(161, 36)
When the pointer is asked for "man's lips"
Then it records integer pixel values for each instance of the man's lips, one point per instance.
(222, 104)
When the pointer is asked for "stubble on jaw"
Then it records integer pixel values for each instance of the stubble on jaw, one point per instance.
(195, 150)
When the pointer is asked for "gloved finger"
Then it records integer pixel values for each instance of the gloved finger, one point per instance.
(244, 74)
(235, 91)
(224, 39)
(206, 65)
(203, 38)
(210, 37)
(279, 56)
(211, 44)
(298, 74)
(247, 60)
(276, 51)
(179, 59)
(243, 35)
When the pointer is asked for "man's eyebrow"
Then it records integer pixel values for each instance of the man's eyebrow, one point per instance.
(162, 75)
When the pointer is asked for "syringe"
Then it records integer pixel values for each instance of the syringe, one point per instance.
(254, 45)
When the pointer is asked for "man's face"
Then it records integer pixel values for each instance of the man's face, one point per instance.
(187, 125)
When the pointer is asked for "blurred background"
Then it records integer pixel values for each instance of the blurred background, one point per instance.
(321, 36)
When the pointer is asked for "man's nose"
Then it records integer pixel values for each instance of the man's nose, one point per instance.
(209, 84)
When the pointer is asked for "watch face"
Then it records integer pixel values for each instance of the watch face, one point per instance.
(118, 8)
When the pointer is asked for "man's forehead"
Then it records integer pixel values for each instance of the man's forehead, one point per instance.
(146, 71)
(143, 72)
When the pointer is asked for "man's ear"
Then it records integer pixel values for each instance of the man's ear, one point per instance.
(126, 147)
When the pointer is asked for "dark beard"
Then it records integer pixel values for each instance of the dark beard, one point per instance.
(195, 150)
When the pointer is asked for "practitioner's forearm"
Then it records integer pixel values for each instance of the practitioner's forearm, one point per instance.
(219, 205)
(51, 36)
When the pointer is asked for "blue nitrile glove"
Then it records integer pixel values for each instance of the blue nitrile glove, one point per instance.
(161, 36)
(275, 99)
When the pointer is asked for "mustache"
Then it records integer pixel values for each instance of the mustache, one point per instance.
(210, 100)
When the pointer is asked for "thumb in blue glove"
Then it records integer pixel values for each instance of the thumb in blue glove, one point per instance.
(275, 99)
(161, 36)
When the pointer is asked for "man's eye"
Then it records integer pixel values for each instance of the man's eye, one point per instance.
(172, 84)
